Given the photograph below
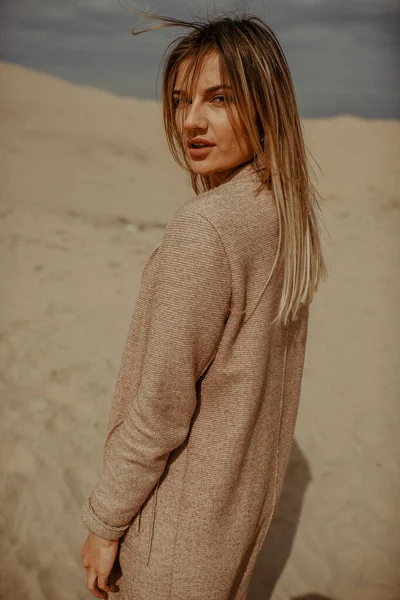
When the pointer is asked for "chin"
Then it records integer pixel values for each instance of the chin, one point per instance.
(204, 169)
(201, 170)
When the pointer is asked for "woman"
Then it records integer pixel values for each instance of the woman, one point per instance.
(205, 404)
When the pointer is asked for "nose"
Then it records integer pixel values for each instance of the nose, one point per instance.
(194, 118)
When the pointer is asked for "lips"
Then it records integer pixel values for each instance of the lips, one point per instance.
(199, 140)
(200, 153)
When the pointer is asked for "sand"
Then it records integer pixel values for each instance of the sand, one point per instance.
(81, 171)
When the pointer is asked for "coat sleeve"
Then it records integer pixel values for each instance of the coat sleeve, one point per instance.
(188, 309)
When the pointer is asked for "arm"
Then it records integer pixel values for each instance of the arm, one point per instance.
(187, 316)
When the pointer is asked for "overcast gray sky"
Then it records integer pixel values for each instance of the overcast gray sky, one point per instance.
(343, 54)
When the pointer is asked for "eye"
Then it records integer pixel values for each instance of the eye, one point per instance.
(177, 100)
(219, 97)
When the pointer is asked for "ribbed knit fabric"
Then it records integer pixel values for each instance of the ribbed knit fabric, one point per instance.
(203, 416)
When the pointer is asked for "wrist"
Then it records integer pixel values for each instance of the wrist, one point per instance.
(103, 541)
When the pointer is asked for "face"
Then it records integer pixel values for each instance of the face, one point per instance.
(206, 117)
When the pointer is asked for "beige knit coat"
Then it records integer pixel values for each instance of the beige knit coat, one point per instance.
(202, 420)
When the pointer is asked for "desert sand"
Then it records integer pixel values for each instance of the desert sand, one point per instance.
(81, 176)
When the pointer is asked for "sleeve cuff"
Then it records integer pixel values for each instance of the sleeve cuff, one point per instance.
(92, 522)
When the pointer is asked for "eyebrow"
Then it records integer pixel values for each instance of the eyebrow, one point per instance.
(214, 88)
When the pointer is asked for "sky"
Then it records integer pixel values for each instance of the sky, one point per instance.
(343, 54)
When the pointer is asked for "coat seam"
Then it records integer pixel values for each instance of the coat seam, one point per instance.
(231, 289)
(224, 249)
(180, 521)
(280, 422)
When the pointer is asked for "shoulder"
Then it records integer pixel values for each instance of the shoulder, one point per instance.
(191, 238)
(225, 215)
(220, 206)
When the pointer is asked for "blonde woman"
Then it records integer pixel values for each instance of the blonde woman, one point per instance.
(202, 420)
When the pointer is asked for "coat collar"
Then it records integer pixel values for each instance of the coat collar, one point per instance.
(245, 173)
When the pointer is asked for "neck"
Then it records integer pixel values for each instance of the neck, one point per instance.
(217, 179)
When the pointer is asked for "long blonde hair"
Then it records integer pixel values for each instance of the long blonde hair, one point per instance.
(254, 65)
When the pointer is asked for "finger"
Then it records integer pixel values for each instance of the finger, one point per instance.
(114, 576)
(111, 581)
(113, 586)
(102, 583)
(110, 586)
(91, 585)
(116, 572)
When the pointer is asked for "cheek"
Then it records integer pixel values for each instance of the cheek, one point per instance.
(226, 133)
(239, 145)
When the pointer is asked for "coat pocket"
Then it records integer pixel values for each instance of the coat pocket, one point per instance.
(136, 522)
(153, 503)
(129, 561)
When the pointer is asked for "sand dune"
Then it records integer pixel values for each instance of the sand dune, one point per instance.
(87, 188)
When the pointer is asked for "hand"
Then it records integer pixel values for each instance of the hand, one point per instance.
(98, 558)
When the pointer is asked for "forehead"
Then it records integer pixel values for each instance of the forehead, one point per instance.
(207, 75)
